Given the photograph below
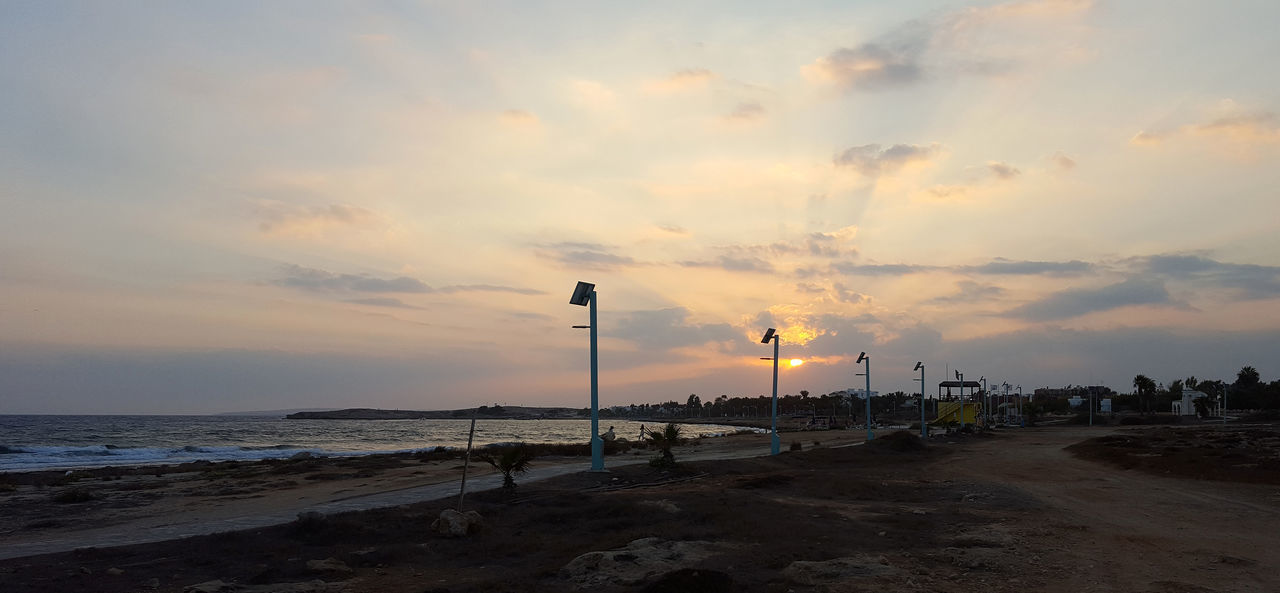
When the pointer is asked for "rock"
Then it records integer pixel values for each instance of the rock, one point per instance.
(457, 524)
(328, 565)
(661, 505)
(115, 572)
(153, 583)
(636, 563)
(804, 572)
(214, 586)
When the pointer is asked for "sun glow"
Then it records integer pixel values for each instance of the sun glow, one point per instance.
(795, 362)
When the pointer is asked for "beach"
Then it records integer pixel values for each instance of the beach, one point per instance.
(1010, 511)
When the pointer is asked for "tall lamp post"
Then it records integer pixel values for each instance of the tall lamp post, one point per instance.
(960, 378)
(1022, 420)
(924, 428)
(986, 406)
(584, 294)
(863, 358)
(775, 445)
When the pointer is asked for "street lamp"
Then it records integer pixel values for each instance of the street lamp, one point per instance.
(960, 378)
(1022, 420)
(863, 358)
(924, 428)
(772, 334)
(584, 295)
(986, 410)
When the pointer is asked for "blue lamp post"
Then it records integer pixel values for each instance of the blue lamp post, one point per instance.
(585, 295)
(774, 444)
(863, 358)
(924, 427)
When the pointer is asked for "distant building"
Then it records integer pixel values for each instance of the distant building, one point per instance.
(1080, 391)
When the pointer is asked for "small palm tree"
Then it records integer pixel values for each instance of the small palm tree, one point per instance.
(510, 461)
(663, 441)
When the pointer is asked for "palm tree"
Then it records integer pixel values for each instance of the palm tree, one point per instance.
(663, 441)
(1144, 386)
(510, 461)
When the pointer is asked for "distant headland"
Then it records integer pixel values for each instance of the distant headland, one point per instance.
(503, 412)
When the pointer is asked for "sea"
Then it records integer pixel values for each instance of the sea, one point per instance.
(33, 443)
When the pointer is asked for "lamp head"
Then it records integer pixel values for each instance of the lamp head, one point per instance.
(919, 365)
(861, 357)
(582, 294)
(957, 374)
(768, 335)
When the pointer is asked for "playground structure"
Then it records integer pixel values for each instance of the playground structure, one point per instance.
(974, 408)
(949, 412)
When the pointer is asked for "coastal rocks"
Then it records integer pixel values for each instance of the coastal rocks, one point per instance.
(328, 565)
(804, 572)
(215, 586)
(218, 586)
(639, 561)
(663, 505)
(455, 524)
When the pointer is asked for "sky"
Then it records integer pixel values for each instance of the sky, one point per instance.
(226, 206)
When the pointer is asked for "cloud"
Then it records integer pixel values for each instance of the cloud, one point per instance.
(382, 302)
(1062, 161)
(878, 269)
(281, 218)
(1082, 301)
(519, 118)
(873, 160)
(1249, 280)
(956, 42)
(593, 95)
(831, 244)
(1003, 170)
(732, 264)
(586, 255)
(683, 80)
(666, 329)
(488, 288)
(673, 229)
(314, 280)
(844, 294)
(870, 66)
(1242, 128)
(968, 291)
(746, 112)
(1001, 266)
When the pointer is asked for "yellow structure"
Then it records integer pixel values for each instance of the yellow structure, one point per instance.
(950, 412)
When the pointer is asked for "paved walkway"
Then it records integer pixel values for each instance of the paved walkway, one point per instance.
(133, 533)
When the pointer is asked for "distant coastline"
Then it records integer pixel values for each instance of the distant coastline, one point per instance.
(495, 412)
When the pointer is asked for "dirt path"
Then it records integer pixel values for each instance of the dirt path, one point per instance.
(1108, 529)
(172, 516)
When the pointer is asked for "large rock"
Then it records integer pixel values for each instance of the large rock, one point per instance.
(457, 524)
(636, 563)
(838, 570)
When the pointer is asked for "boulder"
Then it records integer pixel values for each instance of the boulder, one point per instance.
(837, 570)
(455, 524)
(638, 562)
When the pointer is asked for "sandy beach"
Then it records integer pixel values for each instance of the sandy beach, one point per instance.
(1012, 511)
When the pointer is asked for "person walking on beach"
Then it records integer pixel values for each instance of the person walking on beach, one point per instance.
(642, 432)
(609, 436)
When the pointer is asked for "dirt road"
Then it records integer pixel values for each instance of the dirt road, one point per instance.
(1107, 529)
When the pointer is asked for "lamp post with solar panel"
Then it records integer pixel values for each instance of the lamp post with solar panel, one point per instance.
(775, 445)
(584, 295)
